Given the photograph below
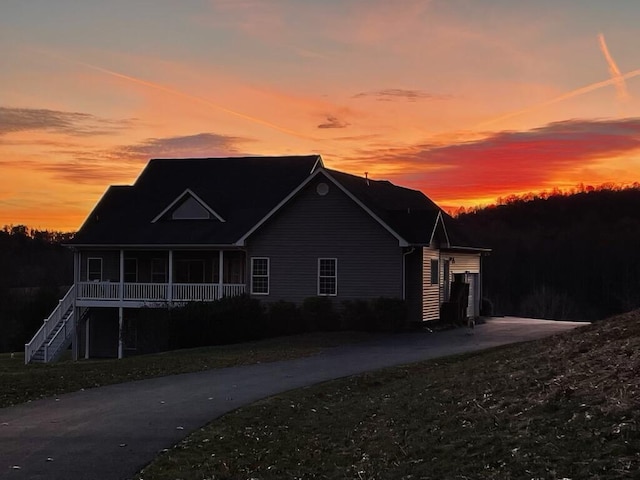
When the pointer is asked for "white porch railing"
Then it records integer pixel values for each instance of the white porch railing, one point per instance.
(158, 292)
(50, 324)
(146, 291)
(98, 291)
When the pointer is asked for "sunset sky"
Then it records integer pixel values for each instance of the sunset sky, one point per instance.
(466, 100)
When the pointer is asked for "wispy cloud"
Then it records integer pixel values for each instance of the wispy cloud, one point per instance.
(14, 120)
(180, 94)
(392, 94)
(565, 96)
(198, 145)
(333, 122)
(78, 165)
(616, 75)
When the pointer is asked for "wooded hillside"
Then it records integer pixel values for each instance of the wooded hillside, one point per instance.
(33, 268)
(564, 256)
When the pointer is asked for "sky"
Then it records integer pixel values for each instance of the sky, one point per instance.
(465, 100)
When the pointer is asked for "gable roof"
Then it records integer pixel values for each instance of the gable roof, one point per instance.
(408, 212)
(243, 193)
(180, 199)
(242, 190)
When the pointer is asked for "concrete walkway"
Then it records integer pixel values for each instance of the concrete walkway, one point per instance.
(112, 432)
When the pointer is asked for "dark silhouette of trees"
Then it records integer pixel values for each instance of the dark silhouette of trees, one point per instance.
(562, 255)
(34, 269)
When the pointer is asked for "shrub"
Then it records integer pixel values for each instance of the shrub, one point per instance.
(228, 320)
(357, 315)
(318, 314)
(390, 314)
(486, 307)
(284, 318)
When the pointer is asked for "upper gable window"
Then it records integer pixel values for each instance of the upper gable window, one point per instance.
(188, 206)
(190, 209)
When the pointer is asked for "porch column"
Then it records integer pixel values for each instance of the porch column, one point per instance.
(120, 331)
(220, 273)
(75, 342)
(121, 293)
(76, 267)
(86, 338)
(170, 292)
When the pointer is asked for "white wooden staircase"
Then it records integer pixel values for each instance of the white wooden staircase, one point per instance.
(55, 334)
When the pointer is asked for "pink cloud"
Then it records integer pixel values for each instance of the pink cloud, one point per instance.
(512, 161)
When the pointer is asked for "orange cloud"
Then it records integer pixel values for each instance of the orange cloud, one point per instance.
(508, 162)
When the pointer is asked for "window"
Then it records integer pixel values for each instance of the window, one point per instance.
(189, 271)
(190, 209)
(130, 270)
(259, 276)
(158, 270)
(435, 273)
(94, 269)
(327, 276)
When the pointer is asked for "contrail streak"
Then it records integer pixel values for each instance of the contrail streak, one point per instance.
(178, 93)
(566, 96)
(623, 93)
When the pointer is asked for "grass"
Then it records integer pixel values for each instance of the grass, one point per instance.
(566, 407)
(20, 383)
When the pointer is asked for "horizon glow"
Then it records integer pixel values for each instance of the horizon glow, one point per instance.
(465, 101)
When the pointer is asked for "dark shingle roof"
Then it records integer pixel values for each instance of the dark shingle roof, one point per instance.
(241, 190)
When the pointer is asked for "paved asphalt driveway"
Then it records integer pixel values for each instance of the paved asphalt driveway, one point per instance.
(112, 432)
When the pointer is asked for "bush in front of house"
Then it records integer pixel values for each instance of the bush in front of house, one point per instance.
(357, 315)
(228, 320)
(318, 314)
(380, 314)
(389, 314)
(283, 318)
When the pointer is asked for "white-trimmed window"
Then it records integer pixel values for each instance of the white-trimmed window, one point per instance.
(130, 270)
(189, 270)
(158, 270)
(260, 275)
(94, 269)
(327, 276)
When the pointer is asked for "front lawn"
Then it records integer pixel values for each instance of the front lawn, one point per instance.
(20, 383)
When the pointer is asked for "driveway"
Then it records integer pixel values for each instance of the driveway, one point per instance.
(112, 432)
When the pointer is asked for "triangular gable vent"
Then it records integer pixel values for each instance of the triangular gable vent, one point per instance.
(439, 235)
(188, 206)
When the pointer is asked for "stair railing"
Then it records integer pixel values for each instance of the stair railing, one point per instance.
(49, 325)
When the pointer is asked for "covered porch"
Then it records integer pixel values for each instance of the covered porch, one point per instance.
(135, 278)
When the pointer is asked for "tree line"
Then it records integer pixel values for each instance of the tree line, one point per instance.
(561, 256)
(35, 268)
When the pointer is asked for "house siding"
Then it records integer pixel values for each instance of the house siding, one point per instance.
(430, 293)
(110, 264)
(312, 226)
(413, 283)
(465, 262)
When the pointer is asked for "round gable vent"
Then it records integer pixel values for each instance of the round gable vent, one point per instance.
(322, 189)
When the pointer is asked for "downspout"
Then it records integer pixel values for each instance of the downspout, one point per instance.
(404, 272)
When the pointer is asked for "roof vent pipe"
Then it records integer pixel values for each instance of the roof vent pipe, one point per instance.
(366, 177)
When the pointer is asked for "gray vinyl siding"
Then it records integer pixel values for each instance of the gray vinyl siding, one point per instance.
(430, 293)
(312, 226)
(110, 264)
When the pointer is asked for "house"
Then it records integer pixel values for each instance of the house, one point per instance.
(270, 227)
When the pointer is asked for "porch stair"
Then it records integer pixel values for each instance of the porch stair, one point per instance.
(55, 334)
